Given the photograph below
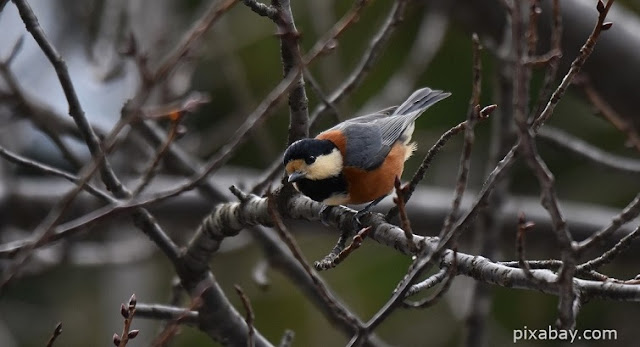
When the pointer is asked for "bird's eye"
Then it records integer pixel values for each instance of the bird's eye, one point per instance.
(310, 160)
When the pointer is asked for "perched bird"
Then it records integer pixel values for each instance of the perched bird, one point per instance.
(357, 161)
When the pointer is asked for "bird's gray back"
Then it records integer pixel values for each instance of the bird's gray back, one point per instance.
(370, 137)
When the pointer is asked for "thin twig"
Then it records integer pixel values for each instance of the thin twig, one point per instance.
(631, 211)
(202, 26)
(429, 282)
(369, 58)
(420, 173)
(250, 316)
(576, 65)
(150, 171)
(435, 297)
(611, 253)
(177, 317)
(587, 151)
(42, 118)
(262, 9)
(523, 228)
(292, 59)
(75, 109)
(448, 233)
(405, 224)
(532, 31)
(354, 79)
(56, 332)
(175, 114)
(50, 170)
(521, 80)
(339, 252)
(257, 117)
(142, 217)
(554, 62)
(426, 44)
(465, 157)
(611, 115)
(127, 312)
(315, 86)
(168, 313)
(337, 309)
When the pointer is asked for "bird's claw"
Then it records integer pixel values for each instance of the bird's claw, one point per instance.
(324, 215)
(357, 223)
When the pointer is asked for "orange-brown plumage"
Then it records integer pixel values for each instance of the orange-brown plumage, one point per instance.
(363, 185)
(335, 136)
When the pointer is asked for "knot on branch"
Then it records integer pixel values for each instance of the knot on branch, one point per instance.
(226, 220)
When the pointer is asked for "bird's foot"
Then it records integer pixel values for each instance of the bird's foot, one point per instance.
(324, 214)
(357, 223)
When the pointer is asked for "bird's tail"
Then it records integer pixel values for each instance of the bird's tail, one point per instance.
(419, 101)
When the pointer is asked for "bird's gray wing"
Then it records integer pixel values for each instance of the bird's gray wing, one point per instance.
(370, 137)
(364, 148)
(367, 118)
(394, 126)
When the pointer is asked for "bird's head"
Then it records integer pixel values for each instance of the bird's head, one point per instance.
(312, 159)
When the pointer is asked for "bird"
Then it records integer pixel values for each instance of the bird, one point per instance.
(357, 161)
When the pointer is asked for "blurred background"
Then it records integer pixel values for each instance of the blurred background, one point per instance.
(82, 281)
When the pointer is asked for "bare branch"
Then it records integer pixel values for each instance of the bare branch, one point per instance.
(168, 313)
(46, 169)
(356, 77)
(631, 211)
(368, 59)
(611, 115)
(127, 312)
(292, 59)
(338, 309)
(576, 65)
(262, 9)
(405, 224)
(465, 157)
(610, 254)
(339, 252)
(211, 16)
(584, 150)
(420, 173)
(250, 317)
(429, 282)
(75, 109)
(56, 332)
(435, 297)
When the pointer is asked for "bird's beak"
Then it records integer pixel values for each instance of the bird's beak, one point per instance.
(296, 176)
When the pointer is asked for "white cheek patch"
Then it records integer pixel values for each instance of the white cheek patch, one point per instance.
(325, 166)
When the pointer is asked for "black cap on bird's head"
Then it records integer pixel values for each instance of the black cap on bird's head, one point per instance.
(308, 150)
(300, 159)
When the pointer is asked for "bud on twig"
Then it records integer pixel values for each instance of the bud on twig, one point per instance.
(132, 301)
(124, 311)
(132, 334)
